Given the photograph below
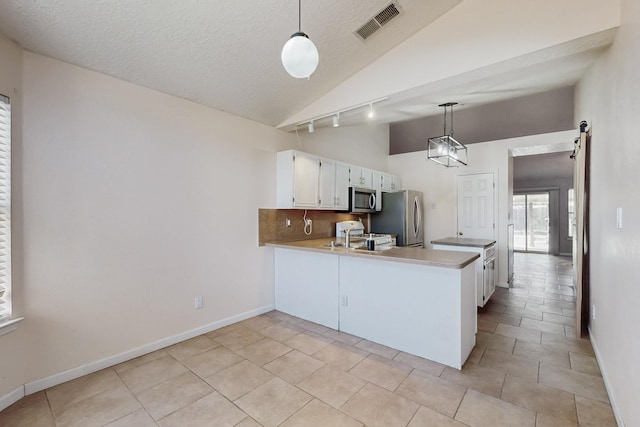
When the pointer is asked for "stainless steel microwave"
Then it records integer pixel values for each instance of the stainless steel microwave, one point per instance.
(362, 200)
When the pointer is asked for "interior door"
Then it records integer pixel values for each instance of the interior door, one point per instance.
(581, 235)
(476, 206)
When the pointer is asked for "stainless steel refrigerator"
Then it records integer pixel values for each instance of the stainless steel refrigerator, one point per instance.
(402, 215)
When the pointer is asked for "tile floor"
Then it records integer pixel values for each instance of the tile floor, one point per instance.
(527, 369)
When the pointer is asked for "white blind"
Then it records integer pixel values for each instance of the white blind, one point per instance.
(5, 209)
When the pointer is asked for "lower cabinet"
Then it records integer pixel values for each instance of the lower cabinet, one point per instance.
(307, 285)
(426, 311)
(423, 310)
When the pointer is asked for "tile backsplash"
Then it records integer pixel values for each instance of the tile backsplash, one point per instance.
(272, 224)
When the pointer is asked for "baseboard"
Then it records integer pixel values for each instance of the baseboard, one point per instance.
(11, 398)
(503, 284)
(603, 371)
(565, 254)
(72, 374)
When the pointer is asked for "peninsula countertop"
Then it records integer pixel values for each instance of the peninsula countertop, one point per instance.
(461, 241)
(429, 257)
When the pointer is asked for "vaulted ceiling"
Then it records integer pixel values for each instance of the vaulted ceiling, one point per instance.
(227, 54)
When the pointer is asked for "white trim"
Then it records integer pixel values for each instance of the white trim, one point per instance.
(503, 284)
(71, 374)
(10, 325)
(603, 371)
(565, 253)
(11, 398)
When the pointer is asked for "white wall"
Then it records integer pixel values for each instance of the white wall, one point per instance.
(608, 97)
(364, 145)
(439, 185)
(12, 345)
(135, 202)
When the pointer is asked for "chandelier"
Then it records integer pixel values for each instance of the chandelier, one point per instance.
(444, 149)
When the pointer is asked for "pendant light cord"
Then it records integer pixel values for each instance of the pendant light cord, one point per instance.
(299, 16)
(444, 131)
(451, 112)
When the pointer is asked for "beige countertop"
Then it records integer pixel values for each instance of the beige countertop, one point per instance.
(461, 241)
(435, 258)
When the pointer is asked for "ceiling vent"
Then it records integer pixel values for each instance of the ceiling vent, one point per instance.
(378, 21)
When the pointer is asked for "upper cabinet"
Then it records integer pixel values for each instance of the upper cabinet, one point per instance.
(306, 181)
(297, 180)
(390, 182)
(361, 177)
(334, 185)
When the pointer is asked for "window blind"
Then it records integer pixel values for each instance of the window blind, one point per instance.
(5, 209)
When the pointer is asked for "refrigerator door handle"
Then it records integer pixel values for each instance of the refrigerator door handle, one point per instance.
(416, 216)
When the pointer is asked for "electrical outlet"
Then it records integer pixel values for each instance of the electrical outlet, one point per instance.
(344, 301)
(198, 303)
(309, 222)
(288, 222)
(593, 312)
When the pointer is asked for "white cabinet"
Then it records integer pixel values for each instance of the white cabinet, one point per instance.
(307, 181)
(297, 180)
(306, 285)
(334, 185)
(485, 278)
(390, 182)
(327, 183)
(342, 186)
(361, 177)
(426, 311)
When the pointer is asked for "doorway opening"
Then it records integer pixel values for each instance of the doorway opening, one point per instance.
(531, 222)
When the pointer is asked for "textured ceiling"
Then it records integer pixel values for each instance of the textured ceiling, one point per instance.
(225, 54)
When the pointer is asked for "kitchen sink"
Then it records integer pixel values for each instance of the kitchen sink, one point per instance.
(359, 246)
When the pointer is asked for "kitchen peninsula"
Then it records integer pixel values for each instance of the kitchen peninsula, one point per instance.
(415, 300)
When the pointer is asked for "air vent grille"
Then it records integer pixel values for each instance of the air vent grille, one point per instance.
(387, 14)
(378, 21)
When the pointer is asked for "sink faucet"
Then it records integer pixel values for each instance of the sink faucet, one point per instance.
(347, 241)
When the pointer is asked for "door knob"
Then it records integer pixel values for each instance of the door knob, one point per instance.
(460, 233)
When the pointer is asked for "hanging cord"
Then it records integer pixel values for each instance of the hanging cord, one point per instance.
(451, 112)
(307, 225)
(298, 136)
(299, 15)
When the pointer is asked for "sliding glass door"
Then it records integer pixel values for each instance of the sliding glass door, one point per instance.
(531, 222)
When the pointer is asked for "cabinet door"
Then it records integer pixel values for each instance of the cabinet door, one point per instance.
(355, 176)
(387, 182)
(367, 178)
(377, 180)
(305, 180)
(327, 183)
(342, 186)
(397, 183)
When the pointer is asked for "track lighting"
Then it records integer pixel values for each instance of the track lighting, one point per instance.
(335, 116)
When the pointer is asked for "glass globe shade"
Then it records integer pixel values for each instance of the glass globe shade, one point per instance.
(300, 56)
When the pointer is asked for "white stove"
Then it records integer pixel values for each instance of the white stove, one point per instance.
(357, 234)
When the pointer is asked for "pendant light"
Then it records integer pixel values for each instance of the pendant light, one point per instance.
(299, 54)
(444, 149)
